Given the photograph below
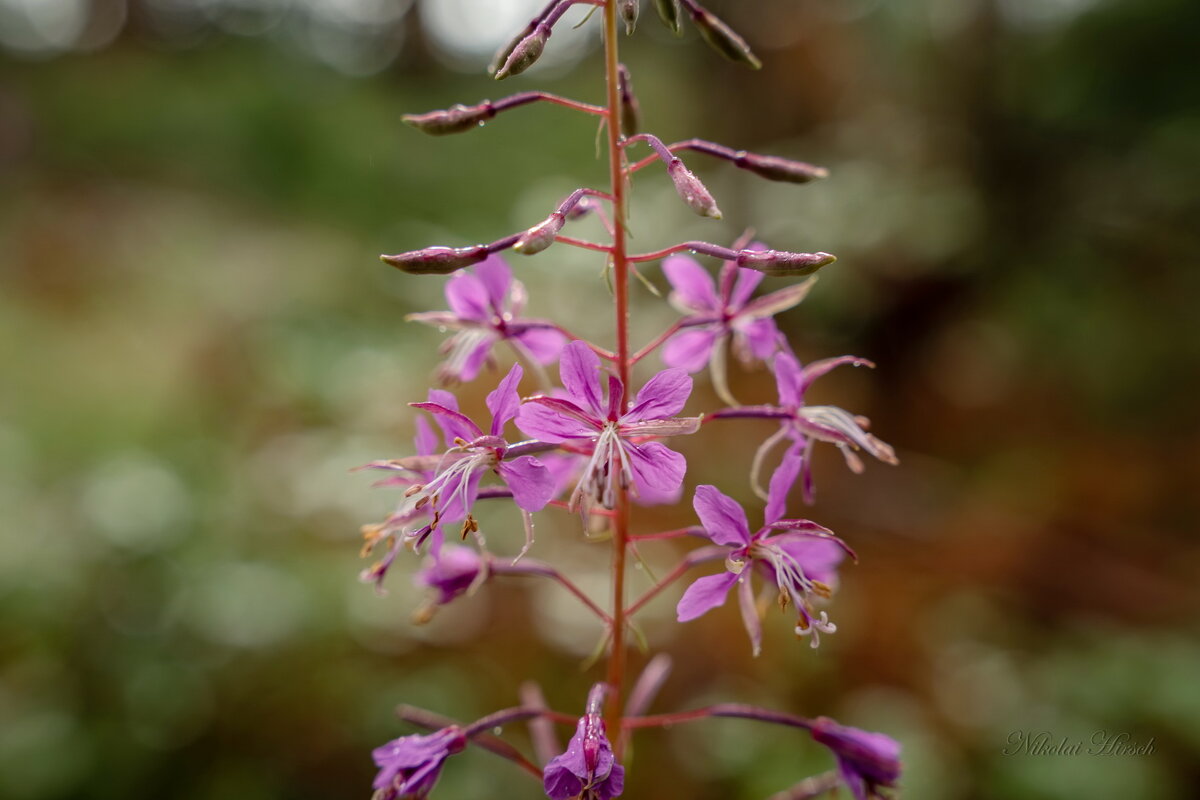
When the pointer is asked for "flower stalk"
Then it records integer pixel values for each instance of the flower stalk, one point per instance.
(596, 444)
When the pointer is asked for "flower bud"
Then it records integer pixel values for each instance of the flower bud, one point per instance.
(669, 13)
(723, 38)
(692, 190)
(774, 168)
(780, 263)
(540, 236)
(527, 50)
(630, 113)
(437, 260)
(455, 119)
(629, 10)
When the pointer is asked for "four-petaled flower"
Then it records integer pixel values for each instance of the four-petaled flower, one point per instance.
(805, 425)
(485, 308)
(616, 438)
(712, 319)
(868, 761)
(456, 474)
(800, 559)
(588, 769)
(410, 766)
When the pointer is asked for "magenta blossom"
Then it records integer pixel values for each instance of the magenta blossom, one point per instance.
(409, 766)
(616, 438)
(800, 560)
(449, 572)
(712, 320)
(450, 481)
(485, 308)
(867, 761)
(588, 769)
(805, 424)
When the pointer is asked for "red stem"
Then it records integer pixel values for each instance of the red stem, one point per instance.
(620, 265)
(662, 337)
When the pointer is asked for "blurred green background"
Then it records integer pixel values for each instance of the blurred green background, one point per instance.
(197, 345)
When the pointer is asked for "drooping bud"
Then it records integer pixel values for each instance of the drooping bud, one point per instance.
(781, 263)
(629, 10)
(669, 13)
(693, 192)
(524, 52)
(540, 236)
(437, 260)
(630, 112)
(774, 168)
(724, 39)
(503, 53)
(455, 119)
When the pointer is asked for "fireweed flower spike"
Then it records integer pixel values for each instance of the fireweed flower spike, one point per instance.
(588, 769)
(867, 761)
(485, 308)
(616, 438)
(598, 440)
(409, 766)
(713, 318)
(799, 559)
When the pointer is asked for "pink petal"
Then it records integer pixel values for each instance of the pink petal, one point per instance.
(704, 595)
(426, 440)
(761, 336)
(747, 281)
(545, 422)
(504, 400)
(818, 368)
(782, 481)
(495, 276)
(788, 379)
(473, 361)
(691, 349)
(662, 397)
(693, 286)
(656, 467)
(723, 519)
(452, 423)
(580, 372)
(531, 483)
(544, 344)
(468, 297)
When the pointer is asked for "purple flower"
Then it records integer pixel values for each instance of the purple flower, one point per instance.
(485, 307)
(588, 769)
(867, 761)
(410, 766)
(449, 571)
(713, 319)
(800, 560)
(592, 420)
(448, 483)
(804, 424)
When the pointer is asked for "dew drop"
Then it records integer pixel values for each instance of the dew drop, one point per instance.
(497, 730)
